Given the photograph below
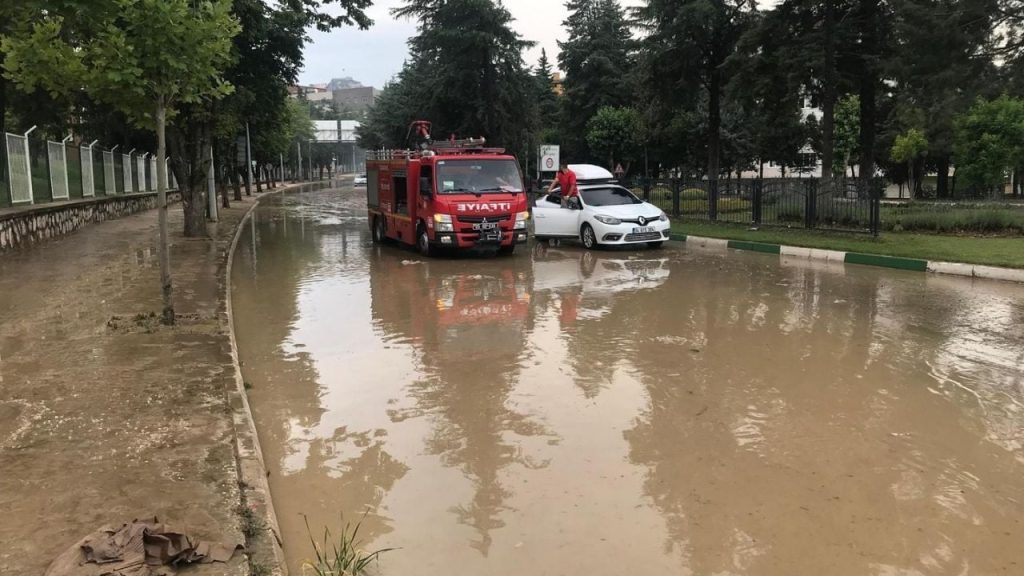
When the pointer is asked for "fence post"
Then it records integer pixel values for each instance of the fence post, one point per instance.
(756, 199)
(811, 202)
(713, 199)
(647, 189)
(875, 189)
(676, 193)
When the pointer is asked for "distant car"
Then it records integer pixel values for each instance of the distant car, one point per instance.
(604, 214)
(360, 179)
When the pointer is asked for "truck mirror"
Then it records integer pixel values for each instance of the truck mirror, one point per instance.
(425, 187)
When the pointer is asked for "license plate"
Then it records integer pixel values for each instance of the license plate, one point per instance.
(492, 236)
(485, 226)
(643, 230)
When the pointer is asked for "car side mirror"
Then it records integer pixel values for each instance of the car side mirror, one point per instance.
(574, 203)
(425, 187)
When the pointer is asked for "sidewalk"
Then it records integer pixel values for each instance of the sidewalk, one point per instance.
(105, 418)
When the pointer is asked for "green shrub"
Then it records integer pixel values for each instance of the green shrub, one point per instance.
(954, 219)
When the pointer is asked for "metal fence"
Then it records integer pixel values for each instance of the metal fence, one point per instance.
(36, 171)
(845, 204)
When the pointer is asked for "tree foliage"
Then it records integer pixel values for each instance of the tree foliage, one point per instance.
(597, 58)
(465, 73)
(990, 142)
(615, 134)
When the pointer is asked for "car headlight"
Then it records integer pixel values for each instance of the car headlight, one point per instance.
(663, 217)
(443, 223)
(521, 219)
(607, 220)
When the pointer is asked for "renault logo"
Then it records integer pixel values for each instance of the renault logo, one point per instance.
(642, 220)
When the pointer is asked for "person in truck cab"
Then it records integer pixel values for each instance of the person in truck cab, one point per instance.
(566, 180)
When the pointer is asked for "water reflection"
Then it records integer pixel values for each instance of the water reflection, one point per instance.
(467, 328)
(672, 411)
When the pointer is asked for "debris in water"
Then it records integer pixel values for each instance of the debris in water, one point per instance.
(411, 262)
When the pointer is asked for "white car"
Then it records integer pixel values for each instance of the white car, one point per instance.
(605, 214)
(360, 180)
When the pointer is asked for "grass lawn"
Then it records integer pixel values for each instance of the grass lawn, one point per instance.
(1006, 251)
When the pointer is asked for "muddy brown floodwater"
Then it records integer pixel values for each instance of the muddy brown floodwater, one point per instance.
(647, 412)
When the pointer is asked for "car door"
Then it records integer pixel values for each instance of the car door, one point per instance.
(550, 219)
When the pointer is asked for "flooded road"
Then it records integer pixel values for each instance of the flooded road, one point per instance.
(648, 412)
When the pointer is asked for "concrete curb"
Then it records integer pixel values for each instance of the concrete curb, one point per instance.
(913, 264)
(252, 471)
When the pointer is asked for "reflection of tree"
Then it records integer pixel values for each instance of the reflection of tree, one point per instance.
(770, 424)
(307, 463)
(470, 329)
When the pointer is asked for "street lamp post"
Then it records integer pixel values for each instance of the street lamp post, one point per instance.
(248, 156)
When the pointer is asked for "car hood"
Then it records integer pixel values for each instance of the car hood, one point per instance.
(649, 211)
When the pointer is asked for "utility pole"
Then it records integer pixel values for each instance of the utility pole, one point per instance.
(281, 160)
(298, 151)
(248, 156)
(211, 189)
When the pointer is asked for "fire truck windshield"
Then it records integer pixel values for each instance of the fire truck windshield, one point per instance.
(478, 176)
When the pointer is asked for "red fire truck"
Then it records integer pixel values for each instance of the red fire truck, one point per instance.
(454, 194)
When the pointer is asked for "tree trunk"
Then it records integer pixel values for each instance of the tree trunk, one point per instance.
(942, 184)
(259, 184)
(868, 86)
(828, 104)
(248, 184)
(236, 185)
(714, 124)
(3, 105)
(190, 161)
(193, 201)
(221, 177)
(911, 189)
(167, 315)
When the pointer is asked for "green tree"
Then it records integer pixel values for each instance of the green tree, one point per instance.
(936, 72)
(764, 86)
(597, 59)
(990, 142)
(547, 100)
(685, 50)
(146, 58)
(465, 74)
(909, 147)
(847, 133)
(615, 134)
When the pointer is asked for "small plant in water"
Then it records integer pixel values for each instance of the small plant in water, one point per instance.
(340, 555)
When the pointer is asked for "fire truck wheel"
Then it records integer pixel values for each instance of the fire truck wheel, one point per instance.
(377, 231)
(423, 241)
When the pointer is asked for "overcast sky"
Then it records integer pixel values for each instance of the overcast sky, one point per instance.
(375, 55)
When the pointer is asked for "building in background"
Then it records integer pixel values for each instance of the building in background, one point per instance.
(357, 99)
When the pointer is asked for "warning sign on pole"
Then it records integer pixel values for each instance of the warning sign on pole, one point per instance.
(619, 171)
(549, 158)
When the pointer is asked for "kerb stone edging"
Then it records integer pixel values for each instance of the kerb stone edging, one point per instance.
(913, 264)
(252, 471)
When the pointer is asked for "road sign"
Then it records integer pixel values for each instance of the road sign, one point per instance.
(549, 160)
(619, 171)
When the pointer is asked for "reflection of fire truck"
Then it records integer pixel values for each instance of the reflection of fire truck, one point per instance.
(485, 307)
(453, 194)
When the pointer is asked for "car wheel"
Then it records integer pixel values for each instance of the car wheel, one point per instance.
(588, 237)
(423, 242)
(655, 244)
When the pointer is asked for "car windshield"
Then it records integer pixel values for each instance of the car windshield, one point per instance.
(478, 176)
(609, 197)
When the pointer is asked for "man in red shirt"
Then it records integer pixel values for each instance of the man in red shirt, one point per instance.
(566, 180)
